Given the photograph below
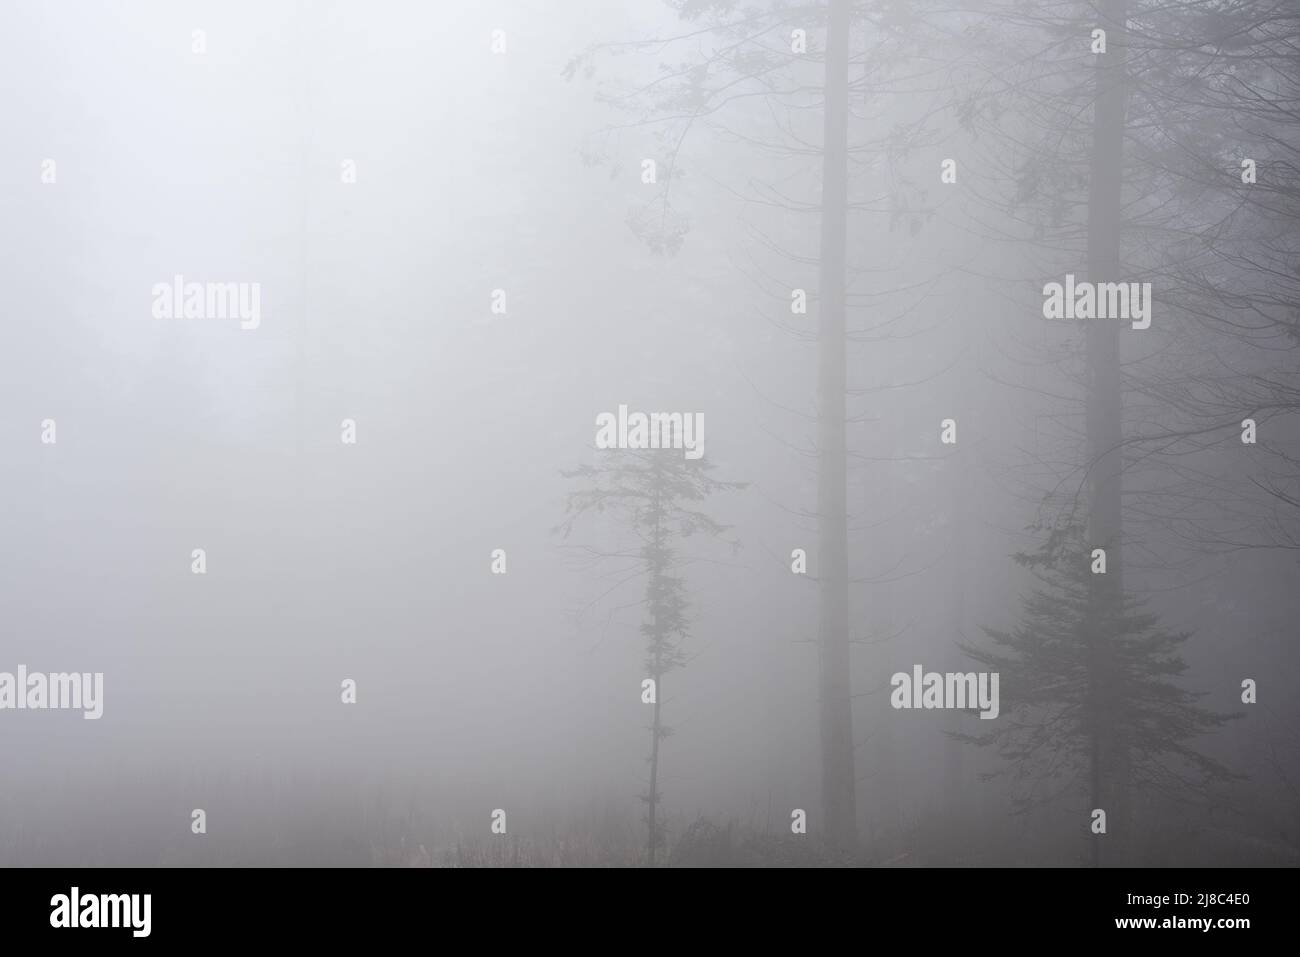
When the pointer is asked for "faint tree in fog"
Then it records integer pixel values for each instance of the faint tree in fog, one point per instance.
(1184, 94)
(1082, 679)
(655, 496)
(732, 59)
(1229, 143)
(1085, 144)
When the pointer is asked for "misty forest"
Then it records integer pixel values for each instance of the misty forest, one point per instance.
(651, 433)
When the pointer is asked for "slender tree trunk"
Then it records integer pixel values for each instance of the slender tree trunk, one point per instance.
(838, 779)
(657, 673)
(956, 796)
(1104, 425)
(884, 814)
(953, 750)
(652, 838)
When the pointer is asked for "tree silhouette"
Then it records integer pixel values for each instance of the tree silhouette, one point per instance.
(653, 495)
(1090, 700)
(731, 73)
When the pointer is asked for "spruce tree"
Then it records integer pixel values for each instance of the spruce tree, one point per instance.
(1091, 703)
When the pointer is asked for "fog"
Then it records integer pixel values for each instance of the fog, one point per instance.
(446, 211)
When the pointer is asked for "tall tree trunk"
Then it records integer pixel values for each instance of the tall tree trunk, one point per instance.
(1104, 425)
(838, 779)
